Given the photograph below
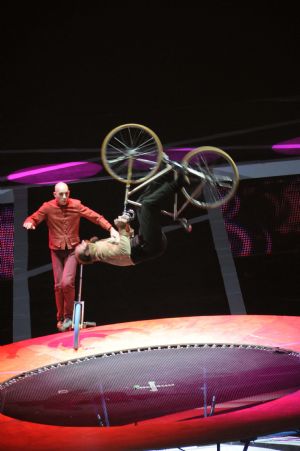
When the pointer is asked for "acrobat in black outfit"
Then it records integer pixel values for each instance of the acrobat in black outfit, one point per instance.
(149, 243)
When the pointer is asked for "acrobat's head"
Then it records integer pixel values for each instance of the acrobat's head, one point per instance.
(82, 253)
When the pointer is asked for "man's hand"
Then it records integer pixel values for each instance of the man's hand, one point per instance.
(29, 225)
(114, 234)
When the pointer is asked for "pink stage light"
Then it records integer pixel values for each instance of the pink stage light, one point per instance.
(53, 173)
(286, 146)
(74, 170)
(290, 147)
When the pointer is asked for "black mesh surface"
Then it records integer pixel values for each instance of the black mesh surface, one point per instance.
(134, 385)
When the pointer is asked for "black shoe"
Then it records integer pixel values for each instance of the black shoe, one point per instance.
(66, 325)
(130, 213)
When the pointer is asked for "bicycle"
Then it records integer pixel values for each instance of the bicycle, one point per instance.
(133, 154)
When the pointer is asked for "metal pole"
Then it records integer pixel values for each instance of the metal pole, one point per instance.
(80, 283)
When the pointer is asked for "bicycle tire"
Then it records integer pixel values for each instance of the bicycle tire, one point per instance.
(131, 153)
(213, 176)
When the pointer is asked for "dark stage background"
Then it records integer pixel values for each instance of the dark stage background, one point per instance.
(71, 72)
(222, 75)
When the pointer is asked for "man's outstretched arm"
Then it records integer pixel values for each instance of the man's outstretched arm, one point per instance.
(98, 219)
(32, 221)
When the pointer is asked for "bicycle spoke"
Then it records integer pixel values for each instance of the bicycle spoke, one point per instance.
(146, 153)
(145, 143)
(129, 132)
(122, 166)
(205, 164)
(117, 149)
(197, 191)
(212, 195)
(134, 141)
(120, 142)
(117, 160)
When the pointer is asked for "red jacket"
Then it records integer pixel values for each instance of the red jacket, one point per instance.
(63, 222)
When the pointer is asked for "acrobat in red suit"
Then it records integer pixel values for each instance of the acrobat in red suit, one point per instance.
(62, 215)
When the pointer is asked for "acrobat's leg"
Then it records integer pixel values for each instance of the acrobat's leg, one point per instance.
(150, 215)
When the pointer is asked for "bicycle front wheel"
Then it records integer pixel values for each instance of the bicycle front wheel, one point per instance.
(131, 153)
(213, 177)
(77, 318)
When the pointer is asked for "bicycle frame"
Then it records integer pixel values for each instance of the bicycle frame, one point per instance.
(212, 172)
(175, 215)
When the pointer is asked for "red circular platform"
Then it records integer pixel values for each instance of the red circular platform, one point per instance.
(253, 358)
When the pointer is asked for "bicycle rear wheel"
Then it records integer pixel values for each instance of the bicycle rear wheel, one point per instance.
(213, 177)
(77, 320)
(131, 153)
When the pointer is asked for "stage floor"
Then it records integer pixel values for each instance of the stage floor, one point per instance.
(151, 384)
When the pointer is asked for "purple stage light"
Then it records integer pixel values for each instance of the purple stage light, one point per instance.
(180, 149)
(177, 153)
(290, 147)
(53, 173)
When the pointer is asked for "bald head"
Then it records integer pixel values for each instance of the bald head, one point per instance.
(61, 193)
(61, 186)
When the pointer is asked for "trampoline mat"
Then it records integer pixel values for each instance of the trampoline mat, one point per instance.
(134, 385)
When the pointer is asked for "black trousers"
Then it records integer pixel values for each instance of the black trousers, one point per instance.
(151, 242)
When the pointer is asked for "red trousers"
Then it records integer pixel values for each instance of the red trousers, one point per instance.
(64, 266)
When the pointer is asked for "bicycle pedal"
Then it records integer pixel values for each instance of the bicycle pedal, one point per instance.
(184, 223)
